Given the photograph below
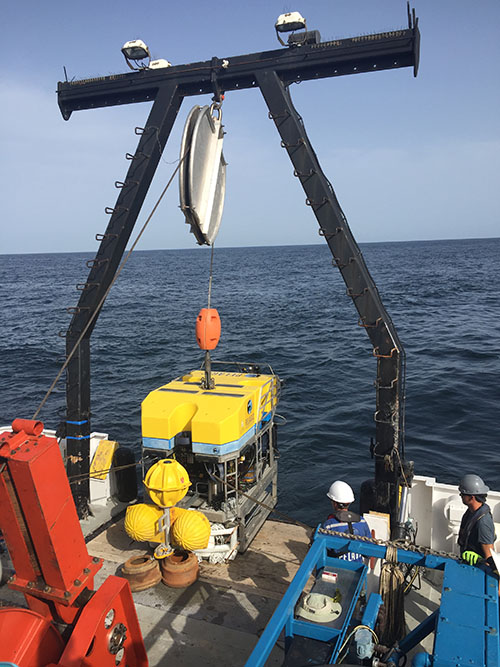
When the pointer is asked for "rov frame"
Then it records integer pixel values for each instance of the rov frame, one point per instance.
(225, 501)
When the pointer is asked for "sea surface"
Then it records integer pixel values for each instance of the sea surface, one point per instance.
(286, 306)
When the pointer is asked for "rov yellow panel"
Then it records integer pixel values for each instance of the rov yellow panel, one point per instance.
(223, 416)
(103, 459)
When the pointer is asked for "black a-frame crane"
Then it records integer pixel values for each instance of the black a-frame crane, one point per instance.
(272, 72)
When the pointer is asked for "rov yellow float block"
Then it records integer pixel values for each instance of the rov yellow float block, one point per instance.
(103, 459)
(220, 420)
(141, 521)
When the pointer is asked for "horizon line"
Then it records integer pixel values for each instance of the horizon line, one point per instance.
(281, 245)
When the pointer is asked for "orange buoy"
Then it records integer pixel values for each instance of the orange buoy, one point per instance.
(208, 328)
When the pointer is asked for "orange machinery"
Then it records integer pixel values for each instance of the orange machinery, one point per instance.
(67, 623)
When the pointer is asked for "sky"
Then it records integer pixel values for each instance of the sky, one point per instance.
(409, 159)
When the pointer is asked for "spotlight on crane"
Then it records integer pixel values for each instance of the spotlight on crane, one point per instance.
(292, 21)
(135, 52)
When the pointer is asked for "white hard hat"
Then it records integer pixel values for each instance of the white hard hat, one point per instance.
(341, 492)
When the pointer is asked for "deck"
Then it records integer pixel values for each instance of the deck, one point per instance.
(219, 618)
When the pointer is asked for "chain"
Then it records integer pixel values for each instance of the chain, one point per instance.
(424, 551)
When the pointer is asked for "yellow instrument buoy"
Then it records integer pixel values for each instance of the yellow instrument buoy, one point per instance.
(191, 531)
(175, 513)
(141, 522)
(167, 482)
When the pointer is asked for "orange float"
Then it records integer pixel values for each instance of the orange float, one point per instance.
(208, 328)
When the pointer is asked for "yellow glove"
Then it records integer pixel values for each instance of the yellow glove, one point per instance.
(470, 557)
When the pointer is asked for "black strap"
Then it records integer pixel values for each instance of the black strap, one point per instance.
(464, 534)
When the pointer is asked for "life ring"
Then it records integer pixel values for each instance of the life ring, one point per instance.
(180, 569)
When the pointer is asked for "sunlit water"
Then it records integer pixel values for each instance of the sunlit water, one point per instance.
(286, 306)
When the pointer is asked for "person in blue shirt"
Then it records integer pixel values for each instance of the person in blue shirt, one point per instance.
(343, 521)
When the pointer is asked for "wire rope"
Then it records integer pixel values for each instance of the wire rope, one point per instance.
(115, 278)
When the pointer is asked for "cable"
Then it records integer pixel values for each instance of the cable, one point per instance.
(101, 302)
(258, 502)
(211, 275)
(358, 627)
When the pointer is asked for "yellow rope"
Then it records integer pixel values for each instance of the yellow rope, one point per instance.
(391, 589)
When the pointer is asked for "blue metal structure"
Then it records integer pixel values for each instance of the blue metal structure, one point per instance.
(466, 625)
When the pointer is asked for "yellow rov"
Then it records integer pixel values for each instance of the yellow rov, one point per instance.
(224, 436)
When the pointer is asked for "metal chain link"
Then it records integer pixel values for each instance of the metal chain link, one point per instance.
(424, 551)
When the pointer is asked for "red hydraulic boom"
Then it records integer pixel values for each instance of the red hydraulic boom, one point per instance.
(67, 623)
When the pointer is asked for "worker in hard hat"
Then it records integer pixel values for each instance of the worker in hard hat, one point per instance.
(477, 531)
(341, 519)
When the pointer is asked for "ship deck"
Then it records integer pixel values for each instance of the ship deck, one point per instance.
(219, 618)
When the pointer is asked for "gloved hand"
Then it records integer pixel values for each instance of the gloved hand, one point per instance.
(470, 557)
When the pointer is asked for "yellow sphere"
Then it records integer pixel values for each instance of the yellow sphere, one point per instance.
(191, 531)
(141, 523)
(167, 482)
(175, 513)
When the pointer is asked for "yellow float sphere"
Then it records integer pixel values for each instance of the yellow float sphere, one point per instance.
(141, 522)
(191, 531)
(167, 482)
(175, 513)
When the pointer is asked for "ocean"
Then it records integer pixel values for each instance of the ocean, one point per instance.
(286, 306)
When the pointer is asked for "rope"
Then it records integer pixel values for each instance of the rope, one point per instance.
(258, 502)
(353, 631)
(391, 589)
(99, 305)
(211, 275)
(424, 551)
(74, 479)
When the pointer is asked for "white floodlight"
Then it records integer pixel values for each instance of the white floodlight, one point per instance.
(288, 23)
(159, 64)
(135, 50)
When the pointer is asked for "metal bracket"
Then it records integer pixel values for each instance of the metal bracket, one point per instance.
(377, 354)
(218, 93)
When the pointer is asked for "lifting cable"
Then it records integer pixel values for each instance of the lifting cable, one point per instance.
(115, 278)
(209, 298)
